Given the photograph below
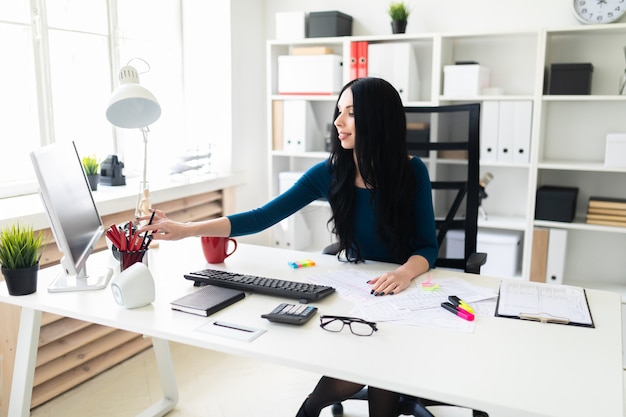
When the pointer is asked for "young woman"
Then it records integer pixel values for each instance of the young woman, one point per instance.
(381, 209)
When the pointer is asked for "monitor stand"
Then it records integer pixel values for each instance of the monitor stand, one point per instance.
(82, 282)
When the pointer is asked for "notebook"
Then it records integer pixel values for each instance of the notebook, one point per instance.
(207, 300)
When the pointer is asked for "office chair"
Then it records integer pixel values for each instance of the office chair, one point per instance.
(448, 135)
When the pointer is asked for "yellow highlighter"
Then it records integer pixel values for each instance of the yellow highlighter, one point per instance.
(460, 303)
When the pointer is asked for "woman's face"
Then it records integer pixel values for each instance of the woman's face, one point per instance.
(345, 120)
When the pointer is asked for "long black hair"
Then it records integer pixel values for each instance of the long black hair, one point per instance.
(383, 162)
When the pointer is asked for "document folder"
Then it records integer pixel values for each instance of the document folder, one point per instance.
(562, 304)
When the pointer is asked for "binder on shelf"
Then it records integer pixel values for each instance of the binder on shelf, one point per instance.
(354, 57)
(561, 304)
(555, 264)
(300, 132)
(539, 255)
(396, 63)
(292, 233)
(362, 63)
(277, 125)
(490, 115)
(522, 131)
(506, 131)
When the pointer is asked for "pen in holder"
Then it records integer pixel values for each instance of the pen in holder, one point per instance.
(128, 246)
(128, 258)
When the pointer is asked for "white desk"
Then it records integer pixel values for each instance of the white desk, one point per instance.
(508, 368)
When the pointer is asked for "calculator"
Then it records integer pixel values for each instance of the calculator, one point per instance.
(291, 313)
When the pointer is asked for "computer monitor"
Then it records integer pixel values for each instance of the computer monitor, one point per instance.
(73, 215)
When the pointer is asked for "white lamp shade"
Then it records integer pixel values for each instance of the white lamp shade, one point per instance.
(132, 106)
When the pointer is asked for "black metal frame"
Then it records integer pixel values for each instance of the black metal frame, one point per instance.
(468, 190)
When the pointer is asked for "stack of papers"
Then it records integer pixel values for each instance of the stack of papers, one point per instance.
(413, 306)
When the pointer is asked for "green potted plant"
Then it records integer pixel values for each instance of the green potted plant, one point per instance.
(91, 167)
(399, 13)
(19, 257)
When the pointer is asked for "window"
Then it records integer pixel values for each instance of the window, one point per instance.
(65, 58)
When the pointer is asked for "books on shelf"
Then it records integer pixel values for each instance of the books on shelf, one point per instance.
(607, 203)
(607, 211)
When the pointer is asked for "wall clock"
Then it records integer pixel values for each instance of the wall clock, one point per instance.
(599, 11)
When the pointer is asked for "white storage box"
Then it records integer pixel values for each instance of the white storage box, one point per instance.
(309, 74)
(465, 80)
(615, 151)
(503, 249)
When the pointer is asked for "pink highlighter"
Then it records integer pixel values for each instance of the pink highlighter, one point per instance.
(466, 315)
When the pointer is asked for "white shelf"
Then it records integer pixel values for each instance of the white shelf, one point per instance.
(579, 224)
(579, 166)
(568, 131)
(578, 99)
(496, 221)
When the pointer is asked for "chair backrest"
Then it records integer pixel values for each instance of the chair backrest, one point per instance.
(447, 138)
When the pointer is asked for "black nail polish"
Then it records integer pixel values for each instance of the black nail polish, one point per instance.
(382, 293)
(372, 292)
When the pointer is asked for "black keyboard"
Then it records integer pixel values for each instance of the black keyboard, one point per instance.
(261, 285)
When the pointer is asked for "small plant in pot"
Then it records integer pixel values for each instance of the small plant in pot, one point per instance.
(19, 257)
(399, 13)
(91, 167)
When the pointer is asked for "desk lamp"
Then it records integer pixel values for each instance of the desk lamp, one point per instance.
(134, 107)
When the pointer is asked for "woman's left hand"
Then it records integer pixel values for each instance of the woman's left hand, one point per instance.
(393, 282)
(390, 283)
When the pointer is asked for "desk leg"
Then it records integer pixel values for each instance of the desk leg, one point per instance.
(25, 359)
(163, 355)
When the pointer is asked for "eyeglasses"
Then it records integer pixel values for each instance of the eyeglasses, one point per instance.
(357, 326)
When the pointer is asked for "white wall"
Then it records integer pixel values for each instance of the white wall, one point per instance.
(370, 17)
(253, 23)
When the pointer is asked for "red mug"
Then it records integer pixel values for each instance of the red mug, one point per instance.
(215, 249)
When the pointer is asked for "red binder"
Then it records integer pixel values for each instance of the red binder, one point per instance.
(353, 60)
(362, 62)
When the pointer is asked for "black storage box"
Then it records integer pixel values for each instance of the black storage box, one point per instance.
(570, 79)
(556, 203)
(329, 24)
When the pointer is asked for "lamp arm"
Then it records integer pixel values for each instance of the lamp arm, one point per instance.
(144, 131)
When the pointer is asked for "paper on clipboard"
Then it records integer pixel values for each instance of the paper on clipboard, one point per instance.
(561, 304)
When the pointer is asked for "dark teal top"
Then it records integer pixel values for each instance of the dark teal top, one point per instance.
(315, 183)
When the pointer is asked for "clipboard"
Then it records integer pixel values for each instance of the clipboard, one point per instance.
(546, 303)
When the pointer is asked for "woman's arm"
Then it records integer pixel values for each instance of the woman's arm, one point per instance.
(165, 229)
(311, 186)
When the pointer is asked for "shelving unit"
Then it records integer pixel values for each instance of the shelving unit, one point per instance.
(567, 136)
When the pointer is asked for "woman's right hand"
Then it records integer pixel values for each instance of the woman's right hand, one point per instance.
(162, 228)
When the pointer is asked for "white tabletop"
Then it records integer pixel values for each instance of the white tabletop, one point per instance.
(506, 367)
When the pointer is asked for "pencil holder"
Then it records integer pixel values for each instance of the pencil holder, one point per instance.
(128, 258)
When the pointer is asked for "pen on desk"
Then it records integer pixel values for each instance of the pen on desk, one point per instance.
(458, 311)
(230, 326)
